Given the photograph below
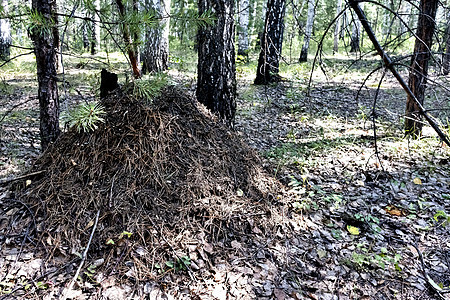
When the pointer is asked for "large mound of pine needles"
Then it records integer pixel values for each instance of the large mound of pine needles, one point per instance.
(168, 173)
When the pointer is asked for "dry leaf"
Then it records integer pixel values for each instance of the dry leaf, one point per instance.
(394, 211)
(353, 230)
(417, 181)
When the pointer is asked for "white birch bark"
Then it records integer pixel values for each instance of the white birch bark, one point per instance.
(337, 27)
(243, 39)
(308, 30)
(155, 53)
(5, 34)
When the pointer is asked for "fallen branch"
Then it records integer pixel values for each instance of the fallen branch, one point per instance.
(83, 259)
(389, 65)
(21, 177)
(437, 289)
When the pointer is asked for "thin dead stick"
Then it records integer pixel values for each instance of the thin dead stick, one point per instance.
(25, 176)
(389, 65)
(83, 259)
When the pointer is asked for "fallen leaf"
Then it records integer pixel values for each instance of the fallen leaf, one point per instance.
(417, 181)
(353, 230)
(394, 211)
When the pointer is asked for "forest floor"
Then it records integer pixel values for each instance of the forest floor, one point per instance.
(348, 222)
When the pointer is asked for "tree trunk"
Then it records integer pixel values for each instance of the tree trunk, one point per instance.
(95, 38)
(356, 34)
(260, 29)
(46, 42)
(446, 58)
(308, 31)
(5, 34)
(337, 28)
(155, 54)
(243, 41)
(216, 84)
(419, 65)
(130, 47)
(271, 43)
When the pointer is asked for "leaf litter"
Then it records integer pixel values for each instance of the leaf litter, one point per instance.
(194, 215)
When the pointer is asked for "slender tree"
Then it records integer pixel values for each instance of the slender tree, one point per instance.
(446, 55)
(46, 40)
(155, 53)
(419, 65)
(216, 83)
(337, 27)
(95, 38)
(127, 37)
(271, 43)
(243, 39)
(5, 32)
(355, 36)
(308, 31)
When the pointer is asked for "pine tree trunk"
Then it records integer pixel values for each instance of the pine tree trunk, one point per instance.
(419, 65)
(45, 47)
(5, 34)
(271, 43)
(95, 38)
(216, 83)
(337, 27)
(243, 41)
(130, 48)
(308, 31)
(155, 54)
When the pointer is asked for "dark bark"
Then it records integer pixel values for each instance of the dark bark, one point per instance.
(446, 58)
(419, 66)
(271, 43)
(130, 48)
(46, 41)
(216, 84)
(108, 83)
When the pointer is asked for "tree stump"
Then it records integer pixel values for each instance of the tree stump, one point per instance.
(108, 83)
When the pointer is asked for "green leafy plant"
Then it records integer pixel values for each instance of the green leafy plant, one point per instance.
(180, 264)
(85, 117)
(443, 217)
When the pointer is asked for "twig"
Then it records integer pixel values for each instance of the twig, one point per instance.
(436, 288)
(25, 176)
(354, 4)
(191, 274)
(83, 259)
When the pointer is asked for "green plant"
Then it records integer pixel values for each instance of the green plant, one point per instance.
(85, 117)
(362, 257)
(180, 264)
(372, 221)
(442, 217)
(150, 87)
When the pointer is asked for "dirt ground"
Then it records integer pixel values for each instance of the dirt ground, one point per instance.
(309, 211)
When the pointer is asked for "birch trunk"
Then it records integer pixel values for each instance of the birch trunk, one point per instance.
(308, 31)
(5, 34)
(155, 54)
(337, 27)
(243, 40)
(216, 83)
(271, 43)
